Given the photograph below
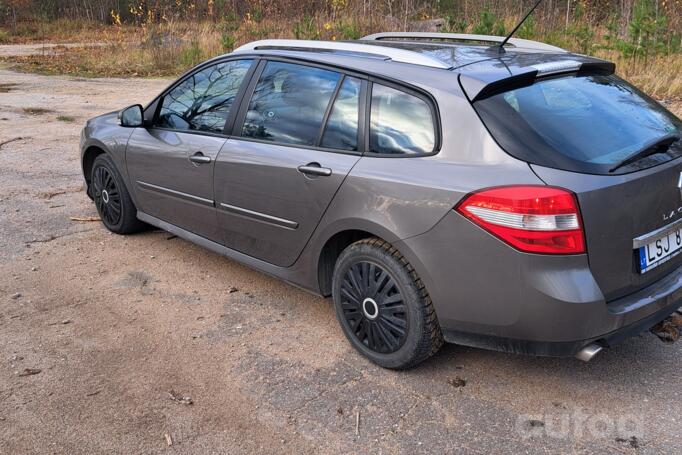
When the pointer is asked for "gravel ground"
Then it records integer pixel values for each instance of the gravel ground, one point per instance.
(98, 331)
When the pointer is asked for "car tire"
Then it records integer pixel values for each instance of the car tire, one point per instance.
(383, 307)
(114, 204)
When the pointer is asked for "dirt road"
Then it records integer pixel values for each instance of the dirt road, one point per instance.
(97, 329)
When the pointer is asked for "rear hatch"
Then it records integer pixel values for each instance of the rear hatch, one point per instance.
(616, 211)
(618, 150)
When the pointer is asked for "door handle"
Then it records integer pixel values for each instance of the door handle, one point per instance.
(200, 158)
(315, 169)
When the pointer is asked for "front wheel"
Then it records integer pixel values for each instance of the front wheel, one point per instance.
(113, 202)
(383, 307)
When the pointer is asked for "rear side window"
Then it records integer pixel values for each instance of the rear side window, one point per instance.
(202, 102)
(580, 123)
(400, 123)
(341, 131)
(289, 103)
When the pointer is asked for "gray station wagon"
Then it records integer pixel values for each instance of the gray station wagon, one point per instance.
(440, 187)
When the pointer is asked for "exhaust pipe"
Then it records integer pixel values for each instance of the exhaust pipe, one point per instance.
(588, 352)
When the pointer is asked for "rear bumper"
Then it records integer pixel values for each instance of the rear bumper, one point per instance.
(486, 294)
(556, 349)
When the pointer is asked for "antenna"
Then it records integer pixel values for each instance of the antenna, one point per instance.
(500, 48)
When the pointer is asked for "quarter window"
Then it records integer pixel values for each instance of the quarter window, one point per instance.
(289, 103)
(202, 102)
(341, 131)
(400, 123)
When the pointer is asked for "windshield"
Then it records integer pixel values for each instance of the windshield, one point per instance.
(580, 123)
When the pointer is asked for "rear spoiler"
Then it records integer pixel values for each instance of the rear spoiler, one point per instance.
(478, 86)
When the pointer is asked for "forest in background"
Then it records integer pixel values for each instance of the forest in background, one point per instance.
(164, 37)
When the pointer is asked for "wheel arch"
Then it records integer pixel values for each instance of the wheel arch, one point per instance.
(91, 153)
(338, 236)
(95, 149)
(330, 253)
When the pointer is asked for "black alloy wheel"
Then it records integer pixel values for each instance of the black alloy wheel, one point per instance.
(373, 307)
(107, 196)
(383, 306)
(113, 202)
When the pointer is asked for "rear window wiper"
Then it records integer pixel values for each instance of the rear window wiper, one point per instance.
(659, 145)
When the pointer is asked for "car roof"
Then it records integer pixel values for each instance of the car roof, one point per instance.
(427, 60)
(457, 55)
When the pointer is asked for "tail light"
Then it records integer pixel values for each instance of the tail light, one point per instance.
(533, 219)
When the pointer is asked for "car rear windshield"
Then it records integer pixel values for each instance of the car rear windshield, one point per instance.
(582, 123)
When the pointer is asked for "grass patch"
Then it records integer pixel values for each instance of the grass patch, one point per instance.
(90, 63)
(36, 111)
(67, 30)
(66, 118)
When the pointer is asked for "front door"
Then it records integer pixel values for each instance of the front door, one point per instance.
(299, 140)
(168, 185)
(171, 164)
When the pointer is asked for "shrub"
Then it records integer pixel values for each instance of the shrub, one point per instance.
(306, 28)
(227, 42)
(646, 34)
(488, 25)
(349, 31)
(454, 25)
(256, 15)
(192, 54)
(584, 37)
(527, 29)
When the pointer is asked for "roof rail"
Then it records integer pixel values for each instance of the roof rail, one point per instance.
(364, 49)
(516, 42)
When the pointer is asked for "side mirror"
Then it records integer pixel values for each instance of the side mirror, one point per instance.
(131, 117)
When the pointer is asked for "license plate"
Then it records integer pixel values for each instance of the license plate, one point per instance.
(660, 251)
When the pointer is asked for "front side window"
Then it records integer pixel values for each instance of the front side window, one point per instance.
(400, 123)
(202, 102)
(289, 103)
(341, 131)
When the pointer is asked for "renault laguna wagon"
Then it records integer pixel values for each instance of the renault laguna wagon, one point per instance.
(440, 187)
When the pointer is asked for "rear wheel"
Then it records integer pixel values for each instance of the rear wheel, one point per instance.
(113, 202)
(383, 307)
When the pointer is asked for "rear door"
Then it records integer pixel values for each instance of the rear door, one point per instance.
(578, 132)
(171, 163)
(298, 137)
